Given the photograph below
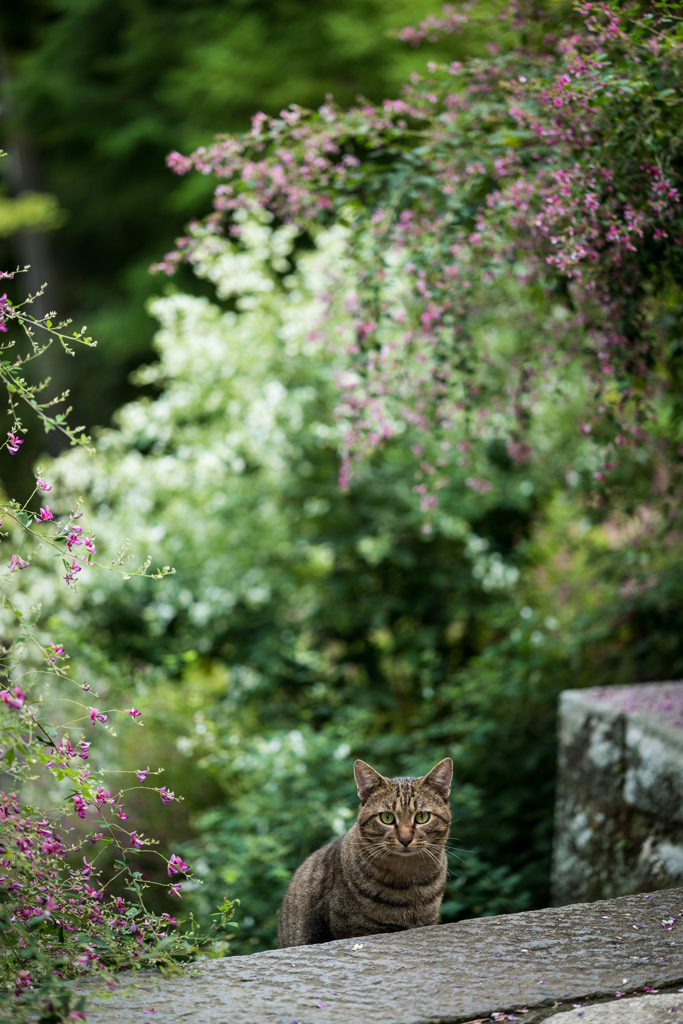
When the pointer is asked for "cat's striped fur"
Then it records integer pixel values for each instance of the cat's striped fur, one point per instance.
(379, 877)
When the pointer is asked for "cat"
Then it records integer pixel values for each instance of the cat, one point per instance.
(388, 872)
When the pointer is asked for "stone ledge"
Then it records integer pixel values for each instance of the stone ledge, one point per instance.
(444, 974)
(652, 1009)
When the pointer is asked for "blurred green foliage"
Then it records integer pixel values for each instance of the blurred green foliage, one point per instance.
(97, 92)
(34, 211)
(305, 627)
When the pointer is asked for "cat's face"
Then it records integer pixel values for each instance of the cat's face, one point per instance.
(404, 816)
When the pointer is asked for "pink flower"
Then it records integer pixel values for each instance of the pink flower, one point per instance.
(45, 515)
(97, 716)
(18, 563)
(137, 842)
(15, 700)
(22, 981)
(178, 163)
(175, 864)
(85, 747)
(132, 712)
(53, 652)
(79, 805)
(71, 570)
(478, 485)
(90, 544)
(166, 795)
(142, 774)
(87, 869)
(43, 486)
(13, 443)
(175, 890)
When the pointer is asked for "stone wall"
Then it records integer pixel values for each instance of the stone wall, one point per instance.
(619, 810)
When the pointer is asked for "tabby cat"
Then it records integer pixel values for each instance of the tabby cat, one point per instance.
(386, 874)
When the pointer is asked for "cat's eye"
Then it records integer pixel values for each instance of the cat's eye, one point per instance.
(387, 817)
(421, 817)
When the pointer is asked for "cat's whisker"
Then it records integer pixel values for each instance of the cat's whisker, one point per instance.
(456, 853)
(433, 857)
(448, 849)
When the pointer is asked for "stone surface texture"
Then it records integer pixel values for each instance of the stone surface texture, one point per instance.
(539, 961)
(651, 1009)
(619, 809)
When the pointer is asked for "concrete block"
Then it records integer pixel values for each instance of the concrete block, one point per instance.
(619, 807)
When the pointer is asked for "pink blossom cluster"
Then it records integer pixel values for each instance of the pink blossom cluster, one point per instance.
(50, 902)
(60, 918)
(41, 887)
(4, 303)
(542, 187)
(433, 26)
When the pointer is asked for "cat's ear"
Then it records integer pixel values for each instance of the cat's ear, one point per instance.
(367, 779)
(440, 778)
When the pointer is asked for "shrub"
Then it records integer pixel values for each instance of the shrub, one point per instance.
(59, 919)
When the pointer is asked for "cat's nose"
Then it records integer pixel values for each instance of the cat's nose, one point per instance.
(405, 835)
